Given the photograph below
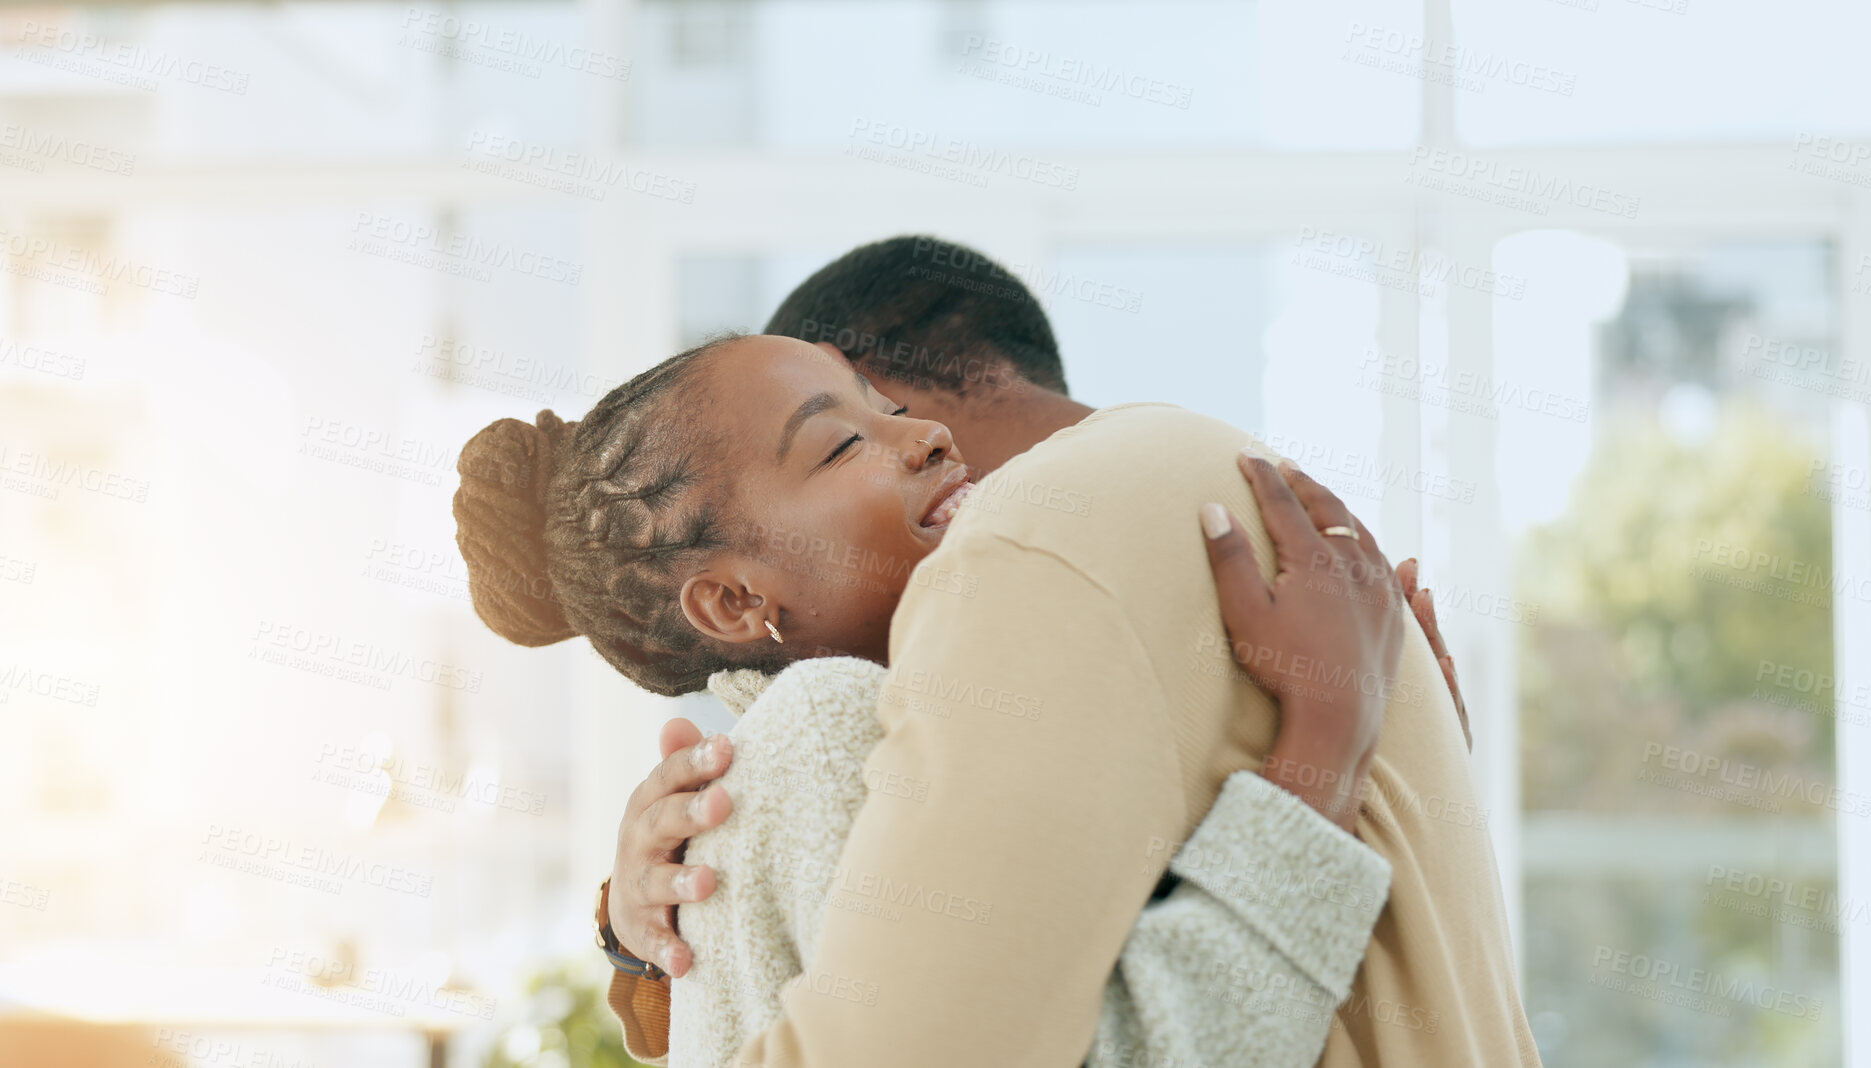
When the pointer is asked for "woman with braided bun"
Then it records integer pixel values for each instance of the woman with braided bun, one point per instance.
(744, 517)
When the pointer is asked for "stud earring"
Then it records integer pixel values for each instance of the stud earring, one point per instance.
(775, 631)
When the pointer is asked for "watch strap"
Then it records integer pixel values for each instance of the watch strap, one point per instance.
(613, 949)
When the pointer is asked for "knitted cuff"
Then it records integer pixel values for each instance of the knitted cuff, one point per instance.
(1309, 888)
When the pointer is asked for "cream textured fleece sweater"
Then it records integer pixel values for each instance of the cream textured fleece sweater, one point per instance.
(1241, 965)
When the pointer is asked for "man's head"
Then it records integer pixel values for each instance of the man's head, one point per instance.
(930, 315)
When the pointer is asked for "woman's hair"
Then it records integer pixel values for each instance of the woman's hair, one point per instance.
(592, 527)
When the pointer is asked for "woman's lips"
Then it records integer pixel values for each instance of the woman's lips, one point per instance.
(945, 508)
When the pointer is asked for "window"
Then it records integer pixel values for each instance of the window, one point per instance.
(1566, 298)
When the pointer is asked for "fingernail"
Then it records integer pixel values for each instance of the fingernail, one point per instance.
(1215, 520)
(684, 884)
(1286, 466)
(695, 807)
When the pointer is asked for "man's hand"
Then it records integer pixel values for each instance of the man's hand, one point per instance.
(1423, 606)
(1324, 636)
(648, 878)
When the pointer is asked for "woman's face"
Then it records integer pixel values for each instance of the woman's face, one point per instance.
(843, 493)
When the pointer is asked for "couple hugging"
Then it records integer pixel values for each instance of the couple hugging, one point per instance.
(1066, 736)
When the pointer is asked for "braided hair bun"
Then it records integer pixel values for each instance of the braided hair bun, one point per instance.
(500, 525)
(592, 528)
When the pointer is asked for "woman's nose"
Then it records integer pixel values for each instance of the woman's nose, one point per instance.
(932, 443)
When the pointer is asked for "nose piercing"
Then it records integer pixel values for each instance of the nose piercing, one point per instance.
(920, 441)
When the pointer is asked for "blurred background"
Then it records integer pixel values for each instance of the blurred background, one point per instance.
(1567, 297)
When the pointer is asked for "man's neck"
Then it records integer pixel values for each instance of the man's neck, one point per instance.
(994, 430)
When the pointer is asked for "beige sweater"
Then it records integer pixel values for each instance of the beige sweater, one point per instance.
(1231, 969)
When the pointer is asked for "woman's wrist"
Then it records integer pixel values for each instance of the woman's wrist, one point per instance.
(1319, 763)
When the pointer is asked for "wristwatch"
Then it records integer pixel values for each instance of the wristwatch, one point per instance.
(607, 941)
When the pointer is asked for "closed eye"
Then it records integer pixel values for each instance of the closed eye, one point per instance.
(843, 446)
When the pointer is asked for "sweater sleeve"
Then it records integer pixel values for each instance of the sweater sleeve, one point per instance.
(1246, 961)
(797, 781)
(642, 1006)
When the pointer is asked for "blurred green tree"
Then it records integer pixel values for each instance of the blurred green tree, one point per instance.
(1680, 578)
(1683, 575)
(565, 1023)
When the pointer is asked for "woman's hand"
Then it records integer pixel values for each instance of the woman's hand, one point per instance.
(1324, 636)
(648, 878)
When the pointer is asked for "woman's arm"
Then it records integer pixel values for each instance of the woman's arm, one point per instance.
(1247, 959)
(798, 782)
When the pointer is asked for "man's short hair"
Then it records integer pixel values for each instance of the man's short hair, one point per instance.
(927, 312)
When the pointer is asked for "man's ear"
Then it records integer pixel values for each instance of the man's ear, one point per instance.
(724, 609)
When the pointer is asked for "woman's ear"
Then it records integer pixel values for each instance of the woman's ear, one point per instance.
(724, 609)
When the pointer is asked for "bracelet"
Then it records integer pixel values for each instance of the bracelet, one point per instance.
(613, 949)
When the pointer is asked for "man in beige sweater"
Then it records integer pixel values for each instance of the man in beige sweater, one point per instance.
(1074, 718)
